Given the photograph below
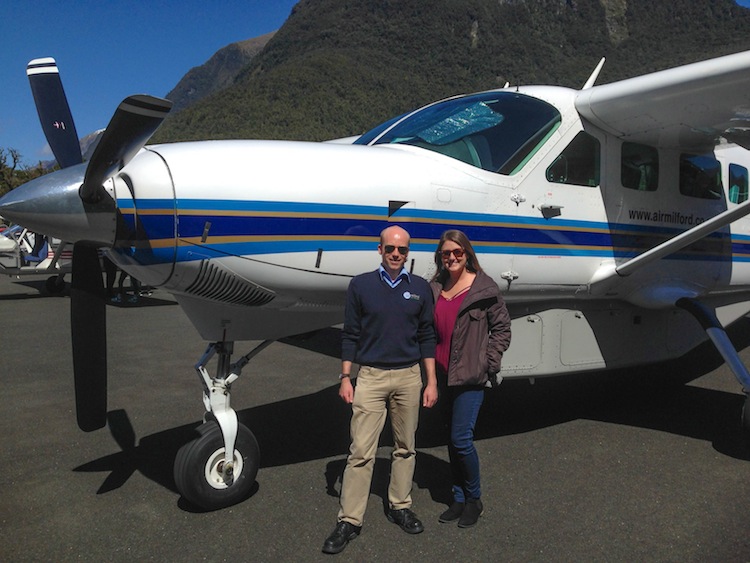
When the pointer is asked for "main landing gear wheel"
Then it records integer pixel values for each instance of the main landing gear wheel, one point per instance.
(746, 415)
(55, 285)
(198, 468)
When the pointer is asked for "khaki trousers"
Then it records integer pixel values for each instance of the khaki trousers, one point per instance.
(399, 391)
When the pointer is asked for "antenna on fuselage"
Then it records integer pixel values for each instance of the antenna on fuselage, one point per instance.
(594, 75)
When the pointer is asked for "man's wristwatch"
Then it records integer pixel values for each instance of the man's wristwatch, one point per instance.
(343, 375)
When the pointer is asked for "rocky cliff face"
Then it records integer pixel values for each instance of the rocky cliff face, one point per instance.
(616, 20)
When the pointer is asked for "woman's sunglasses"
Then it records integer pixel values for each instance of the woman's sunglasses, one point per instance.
(402, 250)
(457, 252)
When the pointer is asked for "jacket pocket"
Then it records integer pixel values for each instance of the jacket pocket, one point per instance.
(477, 315)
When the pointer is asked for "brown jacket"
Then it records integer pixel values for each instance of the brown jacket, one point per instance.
(481, 334)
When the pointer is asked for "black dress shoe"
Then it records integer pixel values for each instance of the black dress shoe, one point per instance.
(406, 519)
(341, 535)
(453, 513)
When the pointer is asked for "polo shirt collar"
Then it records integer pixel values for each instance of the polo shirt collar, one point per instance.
(386, 277)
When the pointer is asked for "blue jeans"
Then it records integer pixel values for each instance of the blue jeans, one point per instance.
(465, 403)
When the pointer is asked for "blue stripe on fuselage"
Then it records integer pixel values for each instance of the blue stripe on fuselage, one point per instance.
(263, 227)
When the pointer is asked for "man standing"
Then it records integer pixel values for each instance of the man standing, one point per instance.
(388, 330)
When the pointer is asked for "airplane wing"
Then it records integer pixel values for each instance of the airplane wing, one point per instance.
(688, 107)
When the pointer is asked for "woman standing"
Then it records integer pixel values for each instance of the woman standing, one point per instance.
(473, 331)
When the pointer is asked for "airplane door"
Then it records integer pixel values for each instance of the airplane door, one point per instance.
(559, 238)
(562, 234)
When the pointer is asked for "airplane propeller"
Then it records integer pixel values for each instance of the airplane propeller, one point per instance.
(54, 111)
(135, 120)
(88, 322)
(132, 125)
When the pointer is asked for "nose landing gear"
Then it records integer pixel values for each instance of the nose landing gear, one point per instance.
(205, 472)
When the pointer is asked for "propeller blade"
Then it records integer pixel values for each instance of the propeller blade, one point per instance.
(135, 120)
(54, 112)
(88, 326)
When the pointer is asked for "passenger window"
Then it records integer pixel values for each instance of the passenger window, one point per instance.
(700, 176)
(578, 164)
(737, 183)
(639, 167)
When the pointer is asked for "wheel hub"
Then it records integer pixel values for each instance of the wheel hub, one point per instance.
(219, 474)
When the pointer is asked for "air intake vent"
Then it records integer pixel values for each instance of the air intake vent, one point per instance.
(220, 284)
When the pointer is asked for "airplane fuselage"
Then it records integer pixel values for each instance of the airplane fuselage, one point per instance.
(265, 240)
(259, 239)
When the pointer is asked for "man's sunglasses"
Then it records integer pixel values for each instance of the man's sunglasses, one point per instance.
(402, 250)
(457, 252)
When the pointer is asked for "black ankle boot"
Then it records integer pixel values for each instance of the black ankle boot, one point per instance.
(472, 511)
(453, 513)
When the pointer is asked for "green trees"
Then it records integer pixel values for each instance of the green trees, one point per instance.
(337, 68)
(13, 173)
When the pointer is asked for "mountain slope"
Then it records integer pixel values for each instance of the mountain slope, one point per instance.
(338, 68)
(217, 73)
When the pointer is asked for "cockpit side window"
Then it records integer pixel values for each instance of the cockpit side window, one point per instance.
(700, 176)
(639, 167)
(738, 183)
(579, 163)
(495, 131)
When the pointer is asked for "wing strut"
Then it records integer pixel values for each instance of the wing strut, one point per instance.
(706, 316)
(600, 281)
(710, 323)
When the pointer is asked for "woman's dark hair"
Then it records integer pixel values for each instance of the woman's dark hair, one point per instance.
(460, 238)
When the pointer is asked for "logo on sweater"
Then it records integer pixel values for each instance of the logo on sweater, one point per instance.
(409, 295)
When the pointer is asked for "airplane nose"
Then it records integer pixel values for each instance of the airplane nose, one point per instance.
(51, 205)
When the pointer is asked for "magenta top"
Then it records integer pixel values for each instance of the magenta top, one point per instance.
(446, 313)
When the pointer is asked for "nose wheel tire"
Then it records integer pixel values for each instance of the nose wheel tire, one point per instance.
(55, 285)
(199, 468)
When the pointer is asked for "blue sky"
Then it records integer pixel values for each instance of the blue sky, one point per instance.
(107, 50)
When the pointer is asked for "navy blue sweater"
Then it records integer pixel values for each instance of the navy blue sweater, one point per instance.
(387, 327)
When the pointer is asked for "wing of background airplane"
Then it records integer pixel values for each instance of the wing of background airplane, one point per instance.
(690, 107)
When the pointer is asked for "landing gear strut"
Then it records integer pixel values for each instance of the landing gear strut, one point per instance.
(710, 323)
(218, 468)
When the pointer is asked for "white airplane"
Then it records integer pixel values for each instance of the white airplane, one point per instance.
(614, 217)
(20, 255)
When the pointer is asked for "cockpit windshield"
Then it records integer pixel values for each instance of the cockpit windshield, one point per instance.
(496, 131)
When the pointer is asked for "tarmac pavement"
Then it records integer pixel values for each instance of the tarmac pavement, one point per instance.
(646, 465)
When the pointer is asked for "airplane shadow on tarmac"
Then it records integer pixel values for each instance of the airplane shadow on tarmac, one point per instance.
(309, 427)
(40, 286)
